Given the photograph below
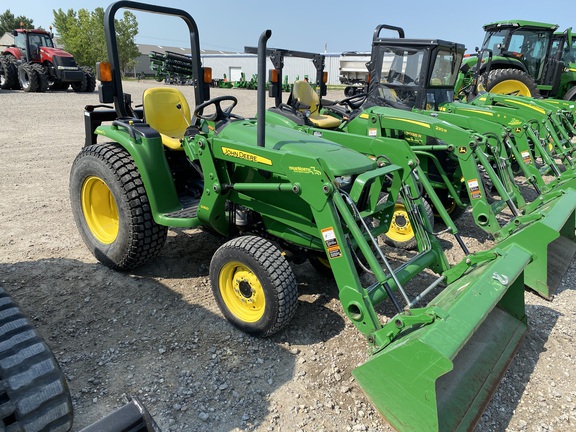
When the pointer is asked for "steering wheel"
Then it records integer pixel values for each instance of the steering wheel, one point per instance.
(220, 113)
(355, 101)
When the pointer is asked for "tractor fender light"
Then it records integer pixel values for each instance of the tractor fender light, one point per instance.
(207, 75)
(273, 75)
(104, 71)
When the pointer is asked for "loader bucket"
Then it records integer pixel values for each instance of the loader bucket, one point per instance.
(440, 376)
(552, 242)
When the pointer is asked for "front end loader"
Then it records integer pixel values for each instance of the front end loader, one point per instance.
(282, 196)
(466, 160)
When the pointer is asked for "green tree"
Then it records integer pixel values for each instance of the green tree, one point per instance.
(82, 35)
(9, 22)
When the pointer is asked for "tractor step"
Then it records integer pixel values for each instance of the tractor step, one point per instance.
(189, 209)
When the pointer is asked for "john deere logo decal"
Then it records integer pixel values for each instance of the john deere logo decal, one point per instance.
(304, 170)
(245, 155)
(462, 150)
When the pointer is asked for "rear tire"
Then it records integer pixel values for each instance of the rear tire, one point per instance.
(111, 208)
(570, 94)
(34, 395)
(511, 82)
(254, 285)
(28, 78)
(8, 73)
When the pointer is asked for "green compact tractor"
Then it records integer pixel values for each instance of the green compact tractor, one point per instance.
(282, 196)
(518, 58)
(465, 159)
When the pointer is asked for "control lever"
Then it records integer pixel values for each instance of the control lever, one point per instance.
(179, 106)
(191, 130)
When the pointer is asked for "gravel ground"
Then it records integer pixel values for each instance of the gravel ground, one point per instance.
(156, 332)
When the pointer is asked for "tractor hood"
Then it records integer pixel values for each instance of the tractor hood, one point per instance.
(49, 53)
(342, 161)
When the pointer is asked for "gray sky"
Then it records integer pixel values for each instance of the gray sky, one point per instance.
(315, 26)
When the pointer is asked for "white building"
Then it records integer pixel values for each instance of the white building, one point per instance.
(233, 64)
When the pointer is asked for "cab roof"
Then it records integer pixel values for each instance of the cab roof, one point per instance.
(520, 23)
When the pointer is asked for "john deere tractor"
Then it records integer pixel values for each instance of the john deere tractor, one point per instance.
(518, 58)
(278, 197)
(465, 160)
(34, 64)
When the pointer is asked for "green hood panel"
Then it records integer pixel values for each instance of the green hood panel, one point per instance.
(341, 160)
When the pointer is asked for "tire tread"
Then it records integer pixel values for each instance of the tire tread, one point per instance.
(146, 237)
(33, 391)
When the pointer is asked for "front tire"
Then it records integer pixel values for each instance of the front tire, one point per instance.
(90, 79)
(42, 77)
(254, 286)
(111, 208)
(401, 234)
(512, 82)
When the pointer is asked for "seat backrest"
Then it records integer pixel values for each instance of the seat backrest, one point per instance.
(304, 93)
(162, 114)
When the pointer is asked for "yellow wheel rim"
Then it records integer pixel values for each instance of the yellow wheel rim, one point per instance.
(511, 87)
(400, 228)
(242, 292)
(100, 211)
(450, 206)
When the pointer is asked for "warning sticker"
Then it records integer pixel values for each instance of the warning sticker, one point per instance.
(329, 237)
(474, 188)
(372, 132)
(334, 252)
(526, 157)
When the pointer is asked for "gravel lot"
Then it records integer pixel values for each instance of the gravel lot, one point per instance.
(156, 333)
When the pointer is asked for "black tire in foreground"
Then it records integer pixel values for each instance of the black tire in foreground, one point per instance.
(34, 395)
(254, 285)
(111, 208)
(511, 82)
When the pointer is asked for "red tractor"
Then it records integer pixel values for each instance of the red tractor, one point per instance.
(34, 64)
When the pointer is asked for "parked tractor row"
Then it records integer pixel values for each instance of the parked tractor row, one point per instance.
(330, 182)
(34, 64)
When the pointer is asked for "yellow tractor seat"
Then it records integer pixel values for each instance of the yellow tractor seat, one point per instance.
(161, 113)
(305, 94)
